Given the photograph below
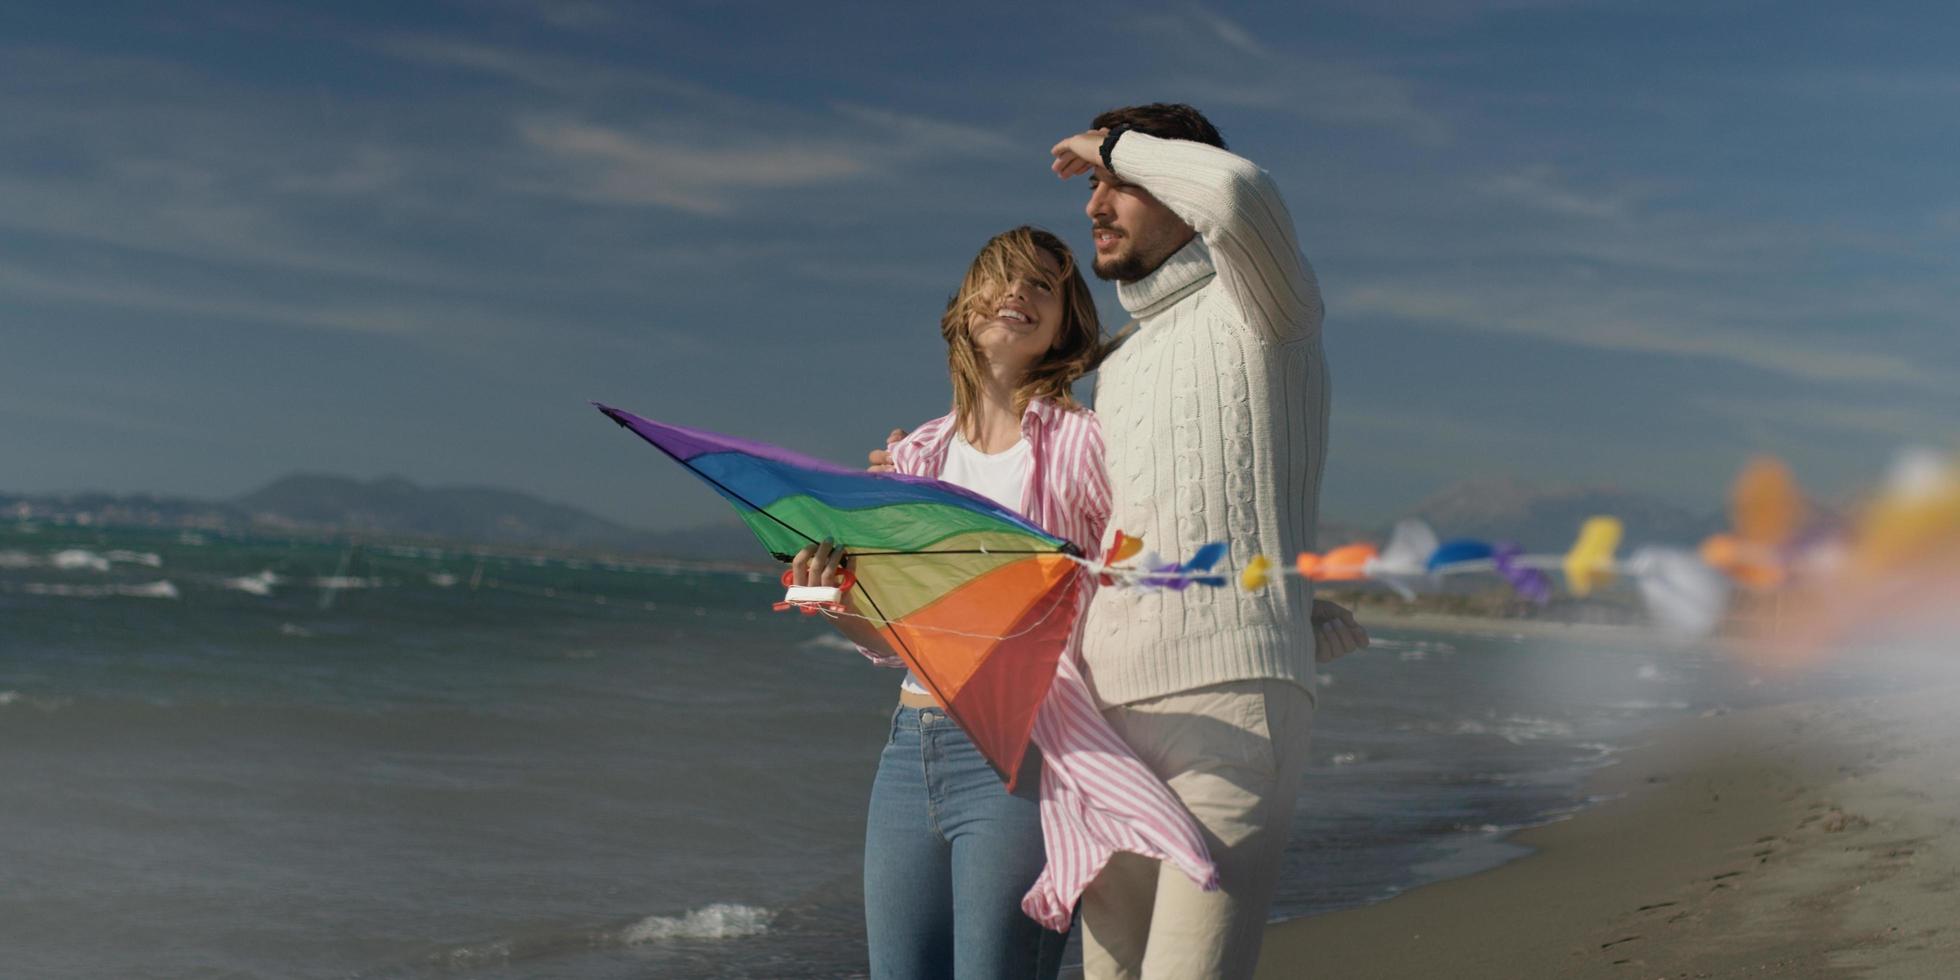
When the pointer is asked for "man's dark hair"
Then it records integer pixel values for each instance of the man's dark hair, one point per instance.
(1164, 120)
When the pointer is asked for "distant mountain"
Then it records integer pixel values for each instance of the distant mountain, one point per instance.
(1548, 518)
(394, 507)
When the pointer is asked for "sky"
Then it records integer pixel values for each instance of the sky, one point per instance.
(1593, 243)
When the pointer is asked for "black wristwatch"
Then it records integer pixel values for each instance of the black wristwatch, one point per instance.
(1109, 145)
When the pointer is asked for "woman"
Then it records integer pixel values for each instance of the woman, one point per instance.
(957, 870)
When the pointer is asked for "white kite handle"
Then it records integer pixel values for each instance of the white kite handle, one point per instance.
(800, 594)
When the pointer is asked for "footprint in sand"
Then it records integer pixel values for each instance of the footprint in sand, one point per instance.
(1838, 821)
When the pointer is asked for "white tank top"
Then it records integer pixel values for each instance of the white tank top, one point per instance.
(1001, 478)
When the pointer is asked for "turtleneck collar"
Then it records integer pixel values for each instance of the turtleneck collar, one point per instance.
(1187, 269)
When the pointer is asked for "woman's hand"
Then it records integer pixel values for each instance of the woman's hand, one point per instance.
(881, 459)
(818, 564)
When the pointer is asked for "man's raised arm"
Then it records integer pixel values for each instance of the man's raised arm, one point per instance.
(1236, 208)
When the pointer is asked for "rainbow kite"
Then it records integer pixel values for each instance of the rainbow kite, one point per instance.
(970, 595)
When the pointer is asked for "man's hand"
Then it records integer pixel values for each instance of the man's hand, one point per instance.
(881, 459)
(817, 564)
(1079, 154)
(1336, 634)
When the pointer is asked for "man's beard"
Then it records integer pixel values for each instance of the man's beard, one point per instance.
(1125, 268)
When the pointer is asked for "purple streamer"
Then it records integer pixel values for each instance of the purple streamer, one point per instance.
(1528, 582)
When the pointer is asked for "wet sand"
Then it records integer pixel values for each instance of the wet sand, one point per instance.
(1809, 840)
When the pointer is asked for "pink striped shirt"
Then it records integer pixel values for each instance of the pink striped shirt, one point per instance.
(1097, 797)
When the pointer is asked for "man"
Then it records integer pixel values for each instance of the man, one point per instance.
(1214, 415)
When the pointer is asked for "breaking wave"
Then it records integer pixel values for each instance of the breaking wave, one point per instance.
(722, 920)
(828, 641)
(160, 589)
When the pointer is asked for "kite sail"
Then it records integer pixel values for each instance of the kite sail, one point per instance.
(976, 600)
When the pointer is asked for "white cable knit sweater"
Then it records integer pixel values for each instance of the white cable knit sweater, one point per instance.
(1215, 417)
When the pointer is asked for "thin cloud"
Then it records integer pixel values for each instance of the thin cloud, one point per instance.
(1540, 187)
(100, 291)
(1566, 316)
(1612, 262)
(704, 150)
(612, 165)
(167, 162)
(708, 166)
(1439, 13)
(459, 324)
(916, 133)
(1212, 60)
(557, 76)
(1230, 32)
(1894, 424)
(452, 53)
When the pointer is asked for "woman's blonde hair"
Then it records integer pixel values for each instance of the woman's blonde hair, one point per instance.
(1008, 256)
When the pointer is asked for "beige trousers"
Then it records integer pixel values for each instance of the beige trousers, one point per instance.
(1234, 753)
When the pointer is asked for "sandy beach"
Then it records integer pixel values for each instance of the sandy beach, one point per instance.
(1806, 840)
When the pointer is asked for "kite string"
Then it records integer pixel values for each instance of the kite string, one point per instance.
(1060, 596)
(1122, 576)
(1132, 576)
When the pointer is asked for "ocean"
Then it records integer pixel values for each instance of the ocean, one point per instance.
(258, 757)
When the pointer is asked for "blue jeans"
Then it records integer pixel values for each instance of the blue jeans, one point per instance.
(948, 853)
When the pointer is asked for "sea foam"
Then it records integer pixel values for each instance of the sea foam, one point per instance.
(829, 641)
(723, 920)
(78, 560)
(347, 582)
(160, 589)
(260, 584)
